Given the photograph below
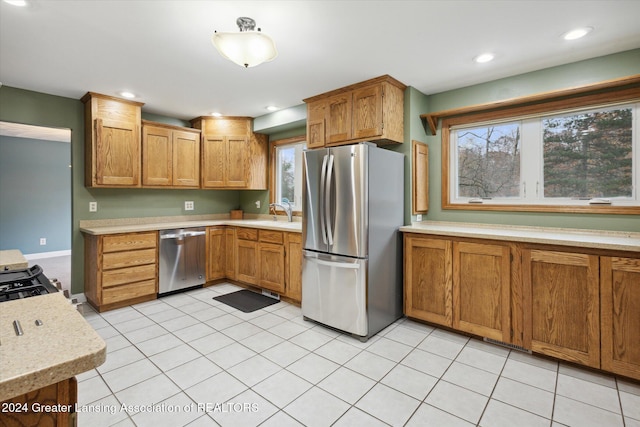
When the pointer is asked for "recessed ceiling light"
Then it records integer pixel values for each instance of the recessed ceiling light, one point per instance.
(485, 57)
(21, 3)
(128, 95)
(577, 33)
(272, 108)
(216, 114)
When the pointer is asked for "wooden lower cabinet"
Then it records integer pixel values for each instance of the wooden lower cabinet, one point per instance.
(293, 265)
(247, 261)
(561, 305)
(620, 315)
(230, 253)
(121, 269)
(63, 395)
(271, 267)
(553, 300)
(481, 289)
(216, 256)
(428, 283)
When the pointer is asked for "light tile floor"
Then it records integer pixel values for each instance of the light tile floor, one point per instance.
(188, 360)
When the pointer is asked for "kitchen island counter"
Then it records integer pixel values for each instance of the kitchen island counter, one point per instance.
(63, 346)
(594, 239)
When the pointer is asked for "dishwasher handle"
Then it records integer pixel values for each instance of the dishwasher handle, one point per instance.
(182, 235)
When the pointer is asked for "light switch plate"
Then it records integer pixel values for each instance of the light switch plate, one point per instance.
(418, 217)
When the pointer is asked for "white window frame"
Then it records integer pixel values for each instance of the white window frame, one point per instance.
(300, 145)
(532, 164)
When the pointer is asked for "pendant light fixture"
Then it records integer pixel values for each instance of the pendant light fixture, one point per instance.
(247, 48)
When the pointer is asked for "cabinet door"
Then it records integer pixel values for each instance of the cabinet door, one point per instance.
(186, 159)
(428, 279)
(230, 253)
(620, 314)
(247, 261)
(271, 270)
(561, 305)
(316, 124)
(117, 153)
(339, 118)
(237, 158)
(214, 157)
(216, 239)
(367, 112)
(293, 264)
(481, 289)
(157, 154)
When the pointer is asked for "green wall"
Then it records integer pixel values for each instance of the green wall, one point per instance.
(562, 77)
(23, 106)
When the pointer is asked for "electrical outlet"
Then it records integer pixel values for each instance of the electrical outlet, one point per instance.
(418, 217)
(93, 206)
(258, 204)
(43, 241)
(188, 206)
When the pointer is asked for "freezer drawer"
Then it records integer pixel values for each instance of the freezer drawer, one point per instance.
(335, 291)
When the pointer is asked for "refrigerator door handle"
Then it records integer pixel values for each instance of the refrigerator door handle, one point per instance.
(336, 264)
(323, 176)
(327, 201)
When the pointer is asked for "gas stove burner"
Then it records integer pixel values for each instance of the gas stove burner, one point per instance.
(24, 283)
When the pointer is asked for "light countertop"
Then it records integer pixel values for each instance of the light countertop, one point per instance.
(154, 224)
(63, 346)
(12, 259)
(610, 240)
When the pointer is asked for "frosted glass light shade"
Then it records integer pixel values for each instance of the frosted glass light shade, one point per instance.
(245, 48)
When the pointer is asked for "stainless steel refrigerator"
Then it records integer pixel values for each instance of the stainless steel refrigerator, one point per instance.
(352, 209)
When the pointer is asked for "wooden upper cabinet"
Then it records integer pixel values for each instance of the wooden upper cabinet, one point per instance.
(112, 141)
(372, 110)
(316, 123)
(186, 158)
(367, 112)
(232, 155)
(428, 279)
(420, 177)
(561, 305)
(170, 156)
(481, 289)
(339, 118)
(237, 162)
(620, 315)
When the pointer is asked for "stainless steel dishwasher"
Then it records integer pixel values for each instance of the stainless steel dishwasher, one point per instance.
(182, 259)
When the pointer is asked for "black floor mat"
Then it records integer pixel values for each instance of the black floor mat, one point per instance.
(246, 300)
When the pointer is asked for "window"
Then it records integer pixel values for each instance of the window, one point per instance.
(579, 158)
(573, 150)
(287, 172)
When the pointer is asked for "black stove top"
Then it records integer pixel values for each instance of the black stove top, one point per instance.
(24, 283)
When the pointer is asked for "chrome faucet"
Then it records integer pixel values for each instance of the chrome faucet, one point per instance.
(287, 209)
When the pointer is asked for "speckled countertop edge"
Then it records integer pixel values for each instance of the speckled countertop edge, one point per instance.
(595, 239)
(133, 225)
(64, 346)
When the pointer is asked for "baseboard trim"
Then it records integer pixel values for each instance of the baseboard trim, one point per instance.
(41, 255)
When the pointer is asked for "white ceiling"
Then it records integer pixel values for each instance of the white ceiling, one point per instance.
(161, 50)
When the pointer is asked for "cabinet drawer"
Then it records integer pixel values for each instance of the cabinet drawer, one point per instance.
(271, 236)
(128, 259)
(247, 233)
(128, 275)
(128, 291)
(126, 242)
